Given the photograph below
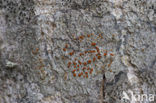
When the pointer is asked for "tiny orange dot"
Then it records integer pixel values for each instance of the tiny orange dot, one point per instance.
(88, 68)
(84, 68)
(89, 61)
(94, 59)
(71, 53)
(99, 57)
(74, 63)
(111, 54)
(69, 63)
(109, 65)
(81, 37)
(64, 49)
(88, 35)
(97, 49)
(74, 74)
(73, 71)
(105, 54)
(84, 63)
(79, 74)
(86, 52)
(79, 62)
(37, 49)
(81, 54)
(66, 46)
(93, 44)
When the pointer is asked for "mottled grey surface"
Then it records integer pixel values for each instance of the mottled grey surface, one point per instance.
(33, 65)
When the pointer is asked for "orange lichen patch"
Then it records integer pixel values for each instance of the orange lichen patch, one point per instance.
(85, 63)
(79, 62)
(99, 57)
(74, 74)
(89, 61)
(69, 63)
(94, 59)
(111, 54)
(81, 54)
(93, 44)
(78, 65)
(64, 49)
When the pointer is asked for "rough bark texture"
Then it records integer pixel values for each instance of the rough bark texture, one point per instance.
(34, 64)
